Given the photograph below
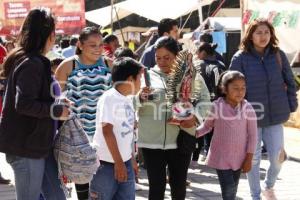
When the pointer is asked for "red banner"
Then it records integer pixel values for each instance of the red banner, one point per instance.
(70, 15)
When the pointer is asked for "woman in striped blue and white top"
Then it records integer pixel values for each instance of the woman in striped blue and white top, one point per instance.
(84, 78)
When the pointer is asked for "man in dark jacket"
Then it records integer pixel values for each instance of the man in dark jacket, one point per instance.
(166, 27)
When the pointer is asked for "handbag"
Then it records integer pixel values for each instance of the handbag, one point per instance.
(186, 143)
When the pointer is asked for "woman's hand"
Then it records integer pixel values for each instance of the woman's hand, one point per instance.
(144, 93)
(66, 108)
(189, 122)
(67, 102)
(65, 113)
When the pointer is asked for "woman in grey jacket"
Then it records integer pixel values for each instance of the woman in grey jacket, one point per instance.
(271, 90)
(157, 137)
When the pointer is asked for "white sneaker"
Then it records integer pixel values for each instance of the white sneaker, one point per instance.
(269, 194)
(203, 158)
(138, 187)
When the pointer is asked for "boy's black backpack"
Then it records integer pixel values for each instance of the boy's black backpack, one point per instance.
(211, 71)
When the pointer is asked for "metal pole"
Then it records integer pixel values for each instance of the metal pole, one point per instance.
(111, 14)
(200, 13)
(242, 12)
(122, 34)
(185, 22)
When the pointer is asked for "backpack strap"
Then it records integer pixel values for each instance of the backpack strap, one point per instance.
(58, 155)
(73, 64)
(242, 65)
(59, 168)
(279, 61)
(243, 70)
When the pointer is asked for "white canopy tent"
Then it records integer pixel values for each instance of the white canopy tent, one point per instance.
(156, 10)
(218, 24)
(102, 16)
(151, 9)
(225, 23)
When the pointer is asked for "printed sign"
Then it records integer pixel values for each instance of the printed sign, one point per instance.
(70, 14)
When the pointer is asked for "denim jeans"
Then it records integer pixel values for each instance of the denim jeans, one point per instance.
(229, 181)
(104, 186)
(272, 136)
(35, 176)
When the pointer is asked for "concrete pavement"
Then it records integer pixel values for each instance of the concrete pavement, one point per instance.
(292, 143)
(204, 182)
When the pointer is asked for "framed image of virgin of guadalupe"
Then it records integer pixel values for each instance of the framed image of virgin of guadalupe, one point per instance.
(180, 91)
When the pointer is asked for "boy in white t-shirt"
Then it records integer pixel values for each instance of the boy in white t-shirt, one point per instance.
(115, 117)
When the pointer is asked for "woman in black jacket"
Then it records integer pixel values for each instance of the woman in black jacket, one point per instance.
(27, 127)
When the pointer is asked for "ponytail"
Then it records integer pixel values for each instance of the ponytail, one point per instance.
(209, 48)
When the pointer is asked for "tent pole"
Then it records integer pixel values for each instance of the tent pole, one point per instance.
(185, 22)
(141, 46)
(200, 13)
(294, 58)
(242, 5)
(122, 34)
(111, 14)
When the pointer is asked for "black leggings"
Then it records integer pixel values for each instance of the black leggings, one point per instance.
(157, 160)
(203, 141)
(82, 191)
(196, 153)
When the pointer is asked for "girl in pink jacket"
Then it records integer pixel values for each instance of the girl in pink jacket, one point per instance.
(235, 133)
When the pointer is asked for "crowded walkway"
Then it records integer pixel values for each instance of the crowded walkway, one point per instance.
(88, 118)
(204, 182)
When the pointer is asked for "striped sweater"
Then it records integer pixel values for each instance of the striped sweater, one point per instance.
(235, 134)
(85, 85)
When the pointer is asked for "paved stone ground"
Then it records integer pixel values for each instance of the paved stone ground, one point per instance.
(204, 182)
(292, 143)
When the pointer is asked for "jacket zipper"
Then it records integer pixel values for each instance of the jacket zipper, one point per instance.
(166, 114)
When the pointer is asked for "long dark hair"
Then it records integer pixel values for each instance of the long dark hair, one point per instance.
(38, 25)
(85, 34)
(247, 42)
(225, 79)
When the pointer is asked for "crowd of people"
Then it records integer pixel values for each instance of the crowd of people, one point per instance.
(123, 105)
